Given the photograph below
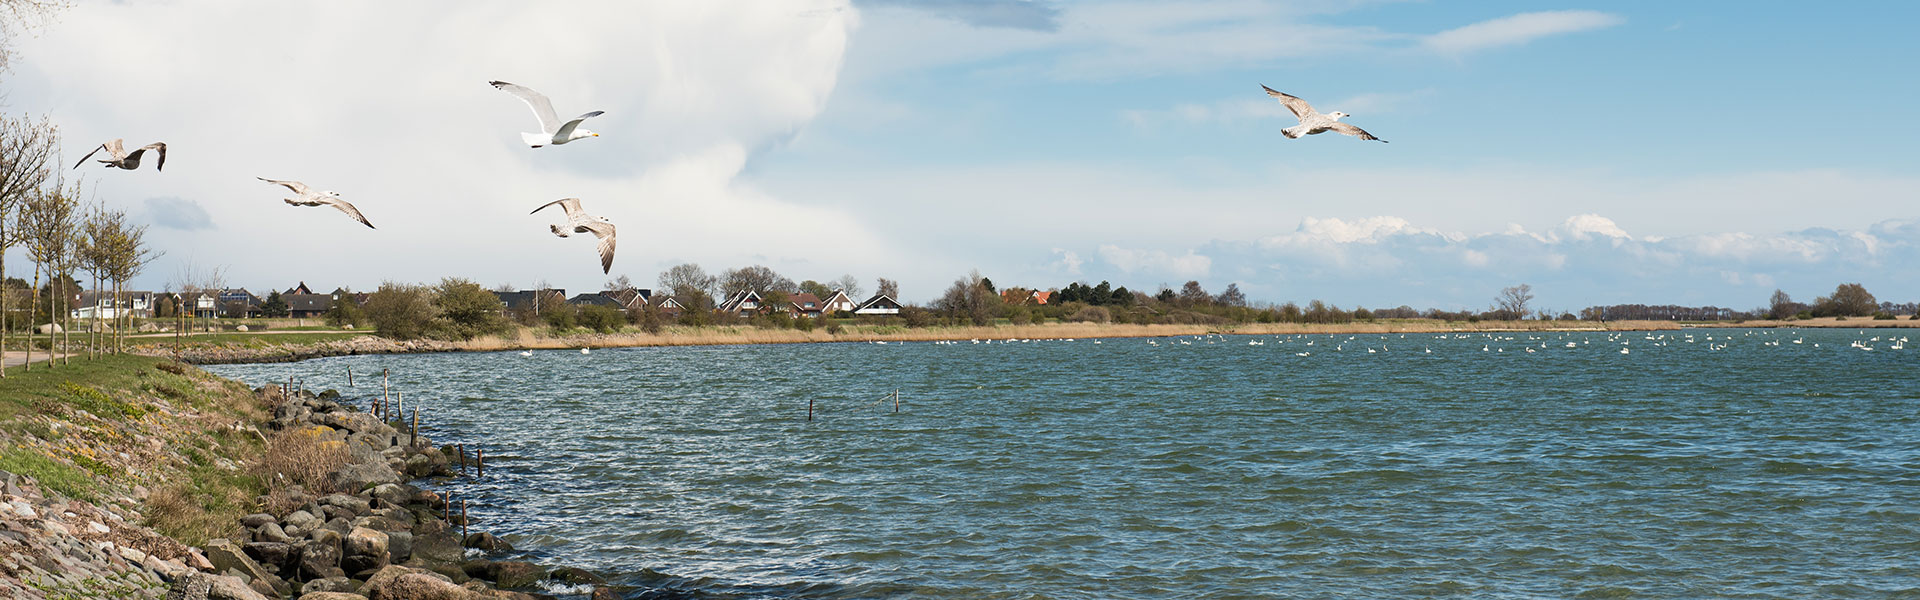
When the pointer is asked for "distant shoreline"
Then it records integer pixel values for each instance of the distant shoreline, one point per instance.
(533, 339)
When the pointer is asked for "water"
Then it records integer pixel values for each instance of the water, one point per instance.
(1198, 467)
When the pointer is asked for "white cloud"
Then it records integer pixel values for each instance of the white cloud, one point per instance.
(1587, 226)
(1189, 265)
(399, 119)
(1069, 260)
(1518, 29)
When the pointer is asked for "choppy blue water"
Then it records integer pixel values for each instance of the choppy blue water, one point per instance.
(1701, 464)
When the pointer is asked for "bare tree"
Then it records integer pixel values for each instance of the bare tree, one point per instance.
(686, 276)
(757, 278)
(1512, 302)
(48, 225)
(849, 285)
(130, 257)
(96, 242)
(192, 280)
(26, 149)
(887, 287)
(969, 298)
(16, 16)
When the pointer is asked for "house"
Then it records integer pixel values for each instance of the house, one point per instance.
(837, 302)
(666, 305)
(307, 306)
(1041, 297)
(239, 303)
(596, 299)
(298, 289)
(804, 305)
(531, 300)
(203, 304)
(132, 303)
(879, 304)
(745, 304)
(631, 298)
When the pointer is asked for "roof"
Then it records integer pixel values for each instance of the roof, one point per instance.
(298, 289)
(1042, 297)
(804, 301)
(736, 299)
(595, 299)
(307, 302)
(524, 298)
(878, 301)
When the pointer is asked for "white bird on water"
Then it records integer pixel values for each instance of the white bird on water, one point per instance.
(578, 221)
(552, 130)
(585, 351)
(526, 353)
(310, 197)
(117, 156)
(1312, 122)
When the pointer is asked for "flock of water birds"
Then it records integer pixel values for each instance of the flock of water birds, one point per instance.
(553, 132)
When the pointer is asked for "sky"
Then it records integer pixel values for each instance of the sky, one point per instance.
(1700, 153)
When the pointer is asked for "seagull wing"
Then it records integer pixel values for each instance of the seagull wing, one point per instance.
(1354, 131)
(604, 231)
(566, 131)
(297, 187)
(349, 209)
(1299, 107)
(159, 148)
(571, 205)
(542, 107)
(114, 148)
(83, 159)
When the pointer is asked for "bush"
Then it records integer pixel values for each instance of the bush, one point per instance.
(1883, 316)
(1915, 317)
(465, 310)
(560, 316)
(804, 323)
(915, 316)
(834, 328)
(301, 457)
(1091, 314)
(400, 311)
(602, 319)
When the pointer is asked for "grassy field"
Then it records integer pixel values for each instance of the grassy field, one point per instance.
(96, 428)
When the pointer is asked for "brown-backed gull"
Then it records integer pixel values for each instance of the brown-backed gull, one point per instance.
(309, 197)
(578, 221)
(1312, 122)
(119, 157)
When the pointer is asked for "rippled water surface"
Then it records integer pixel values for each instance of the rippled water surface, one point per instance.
(1300, 467)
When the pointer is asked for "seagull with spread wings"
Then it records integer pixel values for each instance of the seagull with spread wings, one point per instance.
(310, 197)
(1312, 122)
(578, 221)
(117, 156)
(552, 130)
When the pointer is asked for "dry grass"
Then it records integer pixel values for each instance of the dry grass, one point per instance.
(1824, 323)
(194, 514)
(299, 457)
(707, 336)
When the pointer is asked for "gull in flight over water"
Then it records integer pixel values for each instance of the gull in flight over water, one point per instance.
(1312, 122)
(119, 157)
(552, 130)
(309, 197)
(578, 221)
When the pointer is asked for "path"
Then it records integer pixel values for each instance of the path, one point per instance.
(15, 359)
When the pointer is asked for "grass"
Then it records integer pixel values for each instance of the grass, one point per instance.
(69, 480)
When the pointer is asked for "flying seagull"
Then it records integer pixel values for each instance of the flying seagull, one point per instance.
(308, 197)
(552, 131)
(121, 158)
(578, 221)
(1312, 122)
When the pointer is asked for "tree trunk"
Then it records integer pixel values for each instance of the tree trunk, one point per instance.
(3, 306)
(33, 314)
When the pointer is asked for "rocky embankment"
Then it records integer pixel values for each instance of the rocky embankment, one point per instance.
(208, 354)
(380, 538)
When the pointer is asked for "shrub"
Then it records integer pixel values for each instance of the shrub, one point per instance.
(834, 328)
(1883, 316)
(400, 311)
(603, 319)
(560, 316)
(1091, 314)
(804, 323)
(304, 458)
(915, 316)
(465, 310)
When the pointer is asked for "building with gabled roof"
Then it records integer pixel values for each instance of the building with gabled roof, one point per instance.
(879, 304)
(837, 302)
(745, 304)
(804, 305)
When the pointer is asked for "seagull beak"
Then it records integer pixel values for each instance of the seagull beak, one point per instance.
(596, 135)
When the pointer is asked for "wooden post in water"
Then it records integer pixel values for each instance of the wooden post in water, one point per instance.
(896, 400)
(461, 449)
(400, 404)
(414, 431)
(479, 463)
(383, 387)
(349, 376)
(809, 409)
(463, 521)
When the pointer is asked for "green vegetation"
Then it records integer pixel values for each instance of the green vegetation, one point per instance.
(64, 478)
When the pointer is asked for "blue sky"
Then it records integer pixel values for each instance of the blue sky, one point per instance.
(1695, 153)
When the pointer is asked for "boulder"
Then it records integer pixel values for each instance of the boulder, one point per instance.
(516, 574)
(421, 586)
(486, 541)
(329, 584)
(302, 519)
(366, 542)
(227, 557)
(354, 421)
(320, 561)
(575, 575)
(49, 328)
(399, 545)
(230, 588)
(273, 555)
(257, 519)
(331, 596)
(440, 547)
(271, 532)
(358, 505)
(363, 475)
(393, 494)
(240, 328)
(380, 584)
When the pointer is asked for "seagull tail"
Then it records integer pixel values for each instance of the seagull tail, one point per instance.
(557, 230)
(536, 140)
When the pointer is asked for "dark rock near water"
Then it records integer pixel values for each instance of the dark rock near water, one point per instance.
(486, 541)
(575, 575)
(330, 584)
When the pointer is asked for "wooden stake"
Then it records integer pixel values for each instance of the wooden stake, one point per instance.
(896, 399)
(400, 404)
(479, 463)
(461, 449)
(463, 521)
(349, 376)
(414, 431)
(809, 410)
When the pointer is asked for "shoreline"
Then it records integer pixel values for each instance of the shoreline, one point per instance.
(529, 339)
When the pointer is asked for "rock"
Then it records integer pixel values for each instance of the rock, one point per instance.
(271, 532)
(366, 542)
(48, 328)
(241, 328)
(381, 523)
(276, 556)
(399, 545)
(422, 586)
(354, 421)
(363, 475)
(575, 575)
(257, 519)
(331, 596)
(381, 583)
(440, 547)
(197, 560)
(604, 593)
(486, 541)
(393, 494)
(356, 504)
(320, 560)
(230, 588)
(329, 584)
(226, 557)
(302, 519)
(516, 574)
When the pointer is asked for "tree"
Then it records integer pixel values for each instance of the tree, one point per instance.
(1848, 300)
(47, 223)
(684, 276)
(345, 311)
(400, 311)
(95, 243)
(274, 306)
(1512, 302)
(1232, 297)
(26, 149)
(969, 299)
(465, 310)
(887, 287)
(819, 290)
(849, 285)
(755, 278)
(1192, 294)
(1781, 306)
(620, 284)
(601, 318)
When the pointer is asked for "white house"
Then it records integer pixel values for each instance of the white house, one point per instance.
(879, 304)
(837, 302)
